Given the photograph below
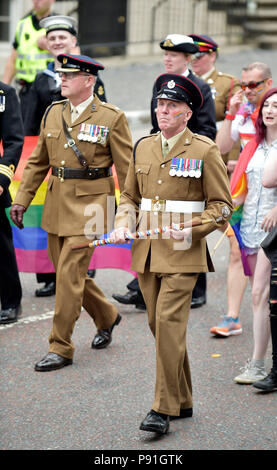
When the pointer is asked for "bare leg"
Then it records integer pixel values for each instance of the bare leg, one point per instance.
(260, 283)
(236, 285)
(236, 280)
(260, 294)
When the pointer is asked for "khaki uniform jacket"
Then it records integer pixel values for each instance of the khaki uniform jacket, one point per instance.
(223, 87)
(148, 177)
(65, 203)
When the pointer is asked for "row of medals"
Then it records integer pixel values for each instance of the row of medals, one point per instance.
(186, 167)
(93, 133)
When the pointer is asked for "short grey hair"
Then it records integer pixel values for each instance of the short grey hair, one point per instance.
(264, 68)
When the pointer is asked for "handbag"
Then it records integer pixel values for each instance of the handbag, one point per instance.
(269, 244)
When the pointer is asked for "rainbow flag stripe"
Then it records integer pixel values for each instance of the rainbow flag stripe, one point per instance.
(238, 186)
(31, 242)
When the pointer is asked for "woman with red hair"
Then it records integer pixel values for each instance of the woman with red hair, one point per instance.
(269, 383)
(259, 215)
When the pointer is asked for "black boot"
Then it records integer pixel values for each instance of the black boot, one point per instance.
(199, 292)
(104, 337)
(155, 422)
(47, 290)
(132, 297)
(269, 383)
(10, 315)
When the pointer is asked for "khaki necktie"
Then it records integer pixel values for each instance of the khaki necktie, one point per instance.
(74, 114)
(165, 148)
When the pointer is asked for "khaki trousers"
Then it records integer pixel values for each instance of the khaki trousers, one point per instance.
(74, 289)
(168, 298)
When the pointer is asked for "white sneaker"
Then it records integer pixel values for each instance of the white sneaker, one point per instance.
(252, 371)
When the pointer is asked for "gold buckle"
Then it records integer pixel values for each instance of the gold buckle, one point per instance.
(61, 174)
(71, 142)
(158, 205)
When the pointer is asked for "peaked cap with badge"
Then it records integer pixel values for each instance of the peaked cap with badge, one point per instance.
(59, 22)
(179, 43)
(175, 87)
(205, 43)
(79, 63)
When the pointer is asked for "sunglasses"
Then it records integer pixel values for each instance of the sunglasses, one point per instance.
(252, 85)
(198, 55)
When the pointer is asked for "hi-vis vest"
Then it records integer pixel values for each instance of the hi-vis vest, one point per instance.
(30, 59)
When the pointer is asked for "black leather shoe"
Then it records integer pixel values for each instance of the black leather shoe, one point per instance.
(91, 273)
(132, 297)
(52, 361)
(155, 422)
(10, 315)
(269, 383)
(198, 301)
(47, 290)
(104, 337)
(184, 413)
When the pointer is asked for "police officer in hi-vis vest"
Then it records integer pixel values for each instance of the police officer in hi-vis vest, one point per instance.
(29, 54)
(175, 176)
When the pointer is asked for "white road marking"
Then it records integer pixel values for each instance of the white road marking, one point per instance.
(26, 320)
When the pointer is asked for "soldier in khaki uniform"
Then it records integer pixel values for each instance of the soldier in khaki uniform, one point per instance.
(175, 175)
(80, 139)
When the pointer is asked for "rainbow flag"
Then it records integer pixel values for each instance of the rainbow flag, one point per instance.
(31, 242)
(238, 186)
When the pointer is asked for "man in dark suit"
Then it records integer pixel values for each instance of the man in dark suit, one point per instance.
(177, 55)
(12, 138)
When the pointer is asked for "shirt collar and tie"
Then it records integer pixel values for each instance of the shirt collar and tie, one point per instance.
(168, 144)
(76, 111)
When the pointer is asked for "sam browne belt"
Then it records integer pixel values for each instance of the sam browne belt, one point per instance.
(86, 173)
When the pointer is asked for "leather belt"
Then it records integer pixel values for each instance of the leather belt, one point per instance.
(87, 173)
(162, 205)
(72, 144)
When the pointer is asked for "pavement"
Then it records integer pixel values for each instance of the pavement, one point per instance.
(97, 404)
